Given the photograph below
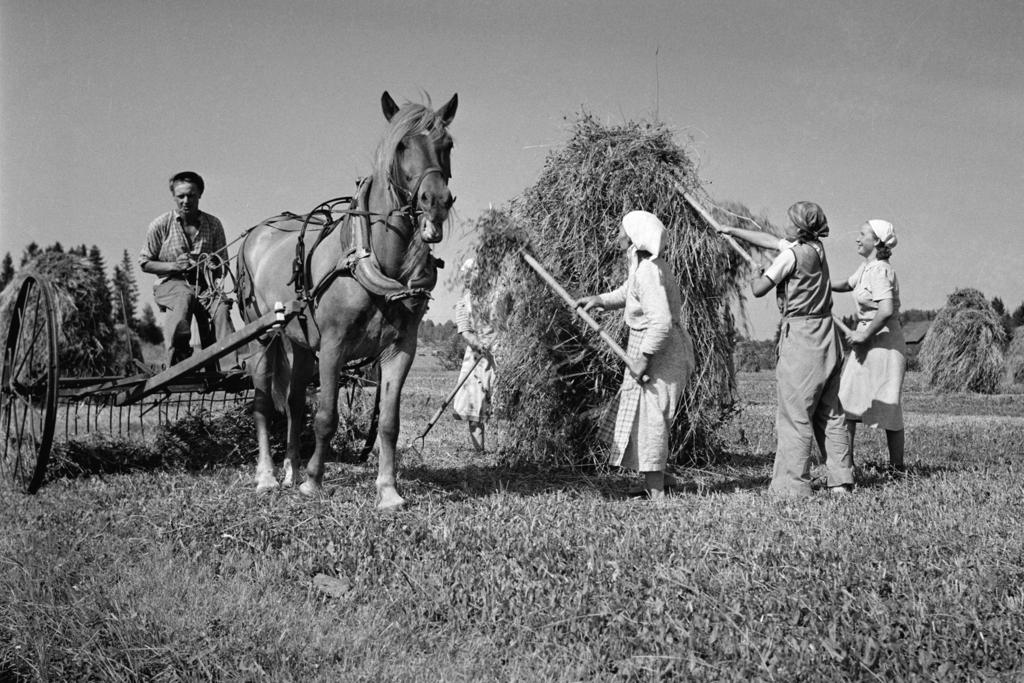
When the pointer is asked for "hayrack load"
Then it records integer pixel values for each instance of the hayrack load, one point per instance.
(557, 382)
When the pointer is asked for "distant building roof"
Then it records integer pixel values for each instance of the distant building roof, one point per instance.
(914, 332)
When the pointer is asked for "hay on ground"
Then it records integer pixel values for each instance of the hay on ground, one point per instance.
(557, 382)
(964, 347)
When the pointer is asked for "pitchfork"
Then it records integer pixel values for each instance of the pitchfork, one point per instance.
(440, 410)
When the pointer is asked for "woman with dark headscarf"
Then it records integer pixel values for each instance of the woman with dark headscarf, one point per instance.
(810, 354)
(871, 388)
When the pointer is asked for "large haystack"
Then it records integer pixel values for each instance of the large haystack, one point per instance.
(86, 341)
(964, 347)
(557, 382)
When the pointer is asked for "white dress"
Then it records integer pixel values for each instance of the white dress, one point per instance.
(473, 400)
(871, 388)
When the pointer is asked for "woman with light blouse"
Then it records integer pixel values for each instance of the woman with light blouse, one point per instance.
(871, 387)
(651, 306)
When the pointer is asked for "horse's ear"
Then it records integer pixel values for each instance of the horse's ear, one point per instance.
(388, 105)
(447, 111)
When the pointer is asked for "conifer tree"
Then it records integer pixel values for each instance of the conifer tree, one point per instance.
(6, 271)
(31, 251)
(125, 292)
(1018, 316)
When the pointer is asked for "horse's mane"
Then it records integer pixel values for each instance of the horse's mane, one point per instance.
(415, 257)
(411, 119)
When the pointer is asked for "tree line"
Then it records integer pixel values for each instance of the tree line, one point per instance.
(111, 301)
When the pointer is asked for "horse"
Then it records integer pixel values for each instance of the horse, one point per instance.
(365, 282)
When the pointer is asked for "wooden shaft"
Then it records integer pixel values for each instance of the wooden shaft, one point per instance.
(220, 348)
(714, 224)
(587, 318)
(736, 247)
(437, 413)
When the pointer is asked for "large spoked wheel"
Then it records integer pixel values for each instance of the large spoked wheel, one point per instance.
(360, 409)
(28, 386)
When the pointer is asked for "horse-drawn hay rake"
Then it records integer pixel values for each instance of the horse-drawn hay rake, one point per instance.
(39, 405)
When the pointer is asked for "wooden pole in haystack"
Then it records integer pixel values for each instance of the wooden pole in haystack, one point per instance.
(735, 245)
(587, 318)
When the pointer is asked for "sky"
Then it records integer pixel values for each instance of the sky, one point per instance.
(911, 111)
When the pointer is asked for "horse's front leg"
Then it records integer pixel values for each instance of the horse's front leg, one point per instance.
(394, 368)
(325, 423)
(263, 411)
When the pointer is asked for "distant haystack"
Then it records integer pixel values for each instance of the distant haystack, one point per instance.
(557, 382)
(964, 347)
(1015, 358)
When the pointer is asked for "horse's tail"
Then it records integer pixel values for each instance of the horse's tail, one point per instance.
(275, 368)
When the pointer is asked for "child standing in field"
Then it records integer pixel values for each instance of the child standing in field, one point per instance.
(473, 400)
(810, 355)
(650, 297)
(871, 388)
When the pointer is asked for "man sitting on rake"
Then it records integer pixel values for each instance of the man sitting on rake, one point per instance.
(186, 249)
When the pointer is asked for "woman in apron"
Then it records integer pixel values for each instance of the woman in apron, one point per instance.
(810, 355)
(473, 400)
(651, 303)
(871, 389)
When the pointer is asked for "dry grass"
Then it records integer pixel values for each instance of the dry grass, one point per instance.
(501, 574)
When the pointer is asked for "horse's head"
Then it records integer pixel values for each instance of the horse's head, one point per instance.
(416, 151)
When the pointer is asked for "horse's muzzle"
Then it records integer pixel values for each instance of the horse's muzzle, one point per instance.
(430, 231)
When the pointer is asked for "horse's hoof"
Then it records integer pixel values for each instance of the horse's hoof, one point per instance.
(388, 499)
(309, 488)
(266, 483)
(289, 479)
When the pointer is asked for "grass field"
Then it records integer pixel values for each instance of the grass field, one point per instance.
(153, 572)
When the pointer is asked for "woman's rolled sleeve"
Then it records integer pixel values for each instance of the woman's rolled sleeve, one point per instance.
(615, 298)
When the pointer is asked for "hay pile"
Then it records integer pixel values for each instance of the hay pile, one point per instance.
(86, 338)
(557, 381)
(964, 347)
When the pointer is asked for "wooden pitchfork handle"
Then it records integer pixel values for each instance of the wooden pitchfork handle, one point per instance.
(735, 245)
(437, 413)
(587, 318)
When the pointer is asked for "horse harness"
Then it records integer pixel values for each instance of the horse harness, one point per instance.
(360, 261)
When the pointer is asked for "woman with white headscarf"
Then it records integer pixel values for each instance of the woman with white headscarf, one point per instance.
(871, 389)
(651, 302)
(473, 400)
(810, 355)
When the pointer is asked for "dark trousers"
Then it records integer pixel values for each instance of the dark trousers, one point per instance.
(178, 301)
